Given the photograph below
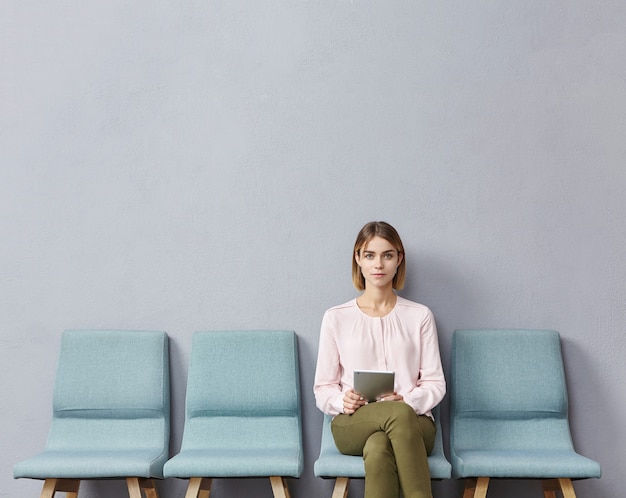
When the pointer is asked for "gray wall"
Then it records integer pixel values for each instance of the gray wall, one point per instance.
(203, 165)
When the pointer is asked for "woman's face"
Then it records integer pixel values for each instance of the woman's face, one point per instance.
(378, 261)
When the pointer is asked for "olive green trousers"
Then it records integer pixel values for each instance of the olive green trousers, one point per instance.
(394, 442)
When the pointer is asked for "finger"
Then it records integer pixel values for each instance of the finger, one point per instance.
(355, 396)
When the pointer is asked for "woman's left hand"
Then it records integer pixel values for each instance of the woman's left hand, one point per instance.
(392, 397)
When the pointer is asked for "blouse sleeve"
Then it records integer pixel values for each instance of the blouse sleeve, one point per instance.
(431, 384)
(327, 386)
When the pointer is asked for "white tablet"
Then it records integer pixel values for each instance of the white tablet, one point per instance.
(372, 384)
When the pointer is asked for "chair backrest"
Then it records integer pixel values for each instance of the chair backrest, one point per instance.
(508, 390)
(243, 390)
(111, 391)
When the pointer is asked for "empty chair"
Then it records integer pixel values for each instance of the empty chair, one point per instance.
(242, 411)
(331, 464)
(509, 412)
(110, 417)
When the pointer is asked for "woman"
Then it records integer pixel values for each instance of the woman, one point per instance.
(382, 331)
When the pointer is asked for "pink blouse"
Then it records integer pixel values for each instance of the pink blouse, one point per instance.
(405, 341)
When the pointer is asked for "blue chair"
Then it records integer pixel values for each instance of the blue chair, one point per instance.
(111, 413)
(243, 415)
(332, 464)
(509, 412)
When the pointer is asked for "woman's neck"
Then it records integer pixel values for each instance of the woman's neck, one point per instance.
(377, 302)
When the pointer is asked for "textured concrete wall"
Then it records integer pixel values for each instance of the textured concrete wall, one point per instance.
(206, 165)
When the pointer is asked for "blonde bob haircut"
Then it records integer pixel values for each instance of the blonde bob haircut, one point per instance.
(368, 232)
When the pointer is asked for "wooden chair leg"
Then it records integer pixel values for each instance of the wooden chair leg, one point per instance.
(567, 488)
(198, 487)
(279, 487)
(49, 488)
(134, 488)
(476, 487)
(341, 487)
(68, 486)
(149, 488)
(553, 486)
(138, 484)
(550, 487)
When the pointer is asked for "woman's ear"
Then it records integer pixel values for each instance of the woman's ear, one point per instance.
(357, 258)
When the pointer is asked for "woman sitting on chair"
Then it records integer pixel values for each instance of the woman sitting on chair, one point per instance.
(382, 331)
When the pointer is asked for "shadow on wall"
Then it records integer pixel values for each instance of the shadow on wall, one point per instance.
(589, 378)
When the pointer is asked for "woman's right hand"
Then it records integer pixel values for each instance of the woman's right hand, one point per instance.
(352, 401)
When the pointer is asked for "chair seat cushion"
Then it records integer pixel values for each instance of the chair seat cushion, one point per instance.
(92, 464)
(235, 463)
(538, 464)
(331, 463)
